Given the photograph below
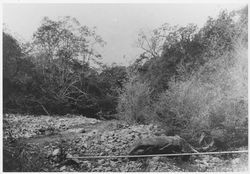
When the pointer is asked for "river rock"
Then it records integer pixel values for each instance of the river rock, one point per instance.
(101, 161)
(56, 152)
(63, 168)
(236, 161)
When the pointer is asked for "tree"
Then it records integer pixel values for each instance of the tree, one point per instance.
(166, 51)
(112, 78)
(153, 42)
(67, 39)
(63, 50)
(219, 35)
(53, 73)
(11, 53)
(17, 75)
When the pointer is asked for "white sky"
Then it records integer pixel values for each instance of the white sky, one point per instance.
(118, 24)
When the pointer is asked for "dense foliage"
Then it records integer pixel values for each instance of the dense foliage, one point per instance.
(52, 75)
(188, 82)
(191, 80)
(186, 79)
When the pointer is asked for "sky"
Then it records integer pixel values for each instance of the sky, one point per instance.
(118, 24)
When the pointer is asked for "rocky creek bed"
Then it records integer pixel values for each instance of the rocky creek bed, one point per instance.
(44, 143)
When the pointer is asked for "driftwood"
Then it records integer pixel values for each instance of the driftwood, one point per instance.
(162, 145)
(213, 141)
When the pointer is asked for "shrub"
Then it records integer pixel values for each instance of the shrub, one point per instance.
(134, 105)
(214, 96)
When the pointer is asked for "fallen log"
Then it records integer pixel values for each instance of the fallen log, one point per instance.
(162, 145)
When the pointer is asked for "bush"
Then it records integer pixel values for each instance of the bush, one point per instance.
(181, 105)
(134, 105)
(214, 96)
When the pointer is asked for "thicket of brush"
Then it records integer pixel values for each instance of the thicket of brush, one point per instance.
(188, 90)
